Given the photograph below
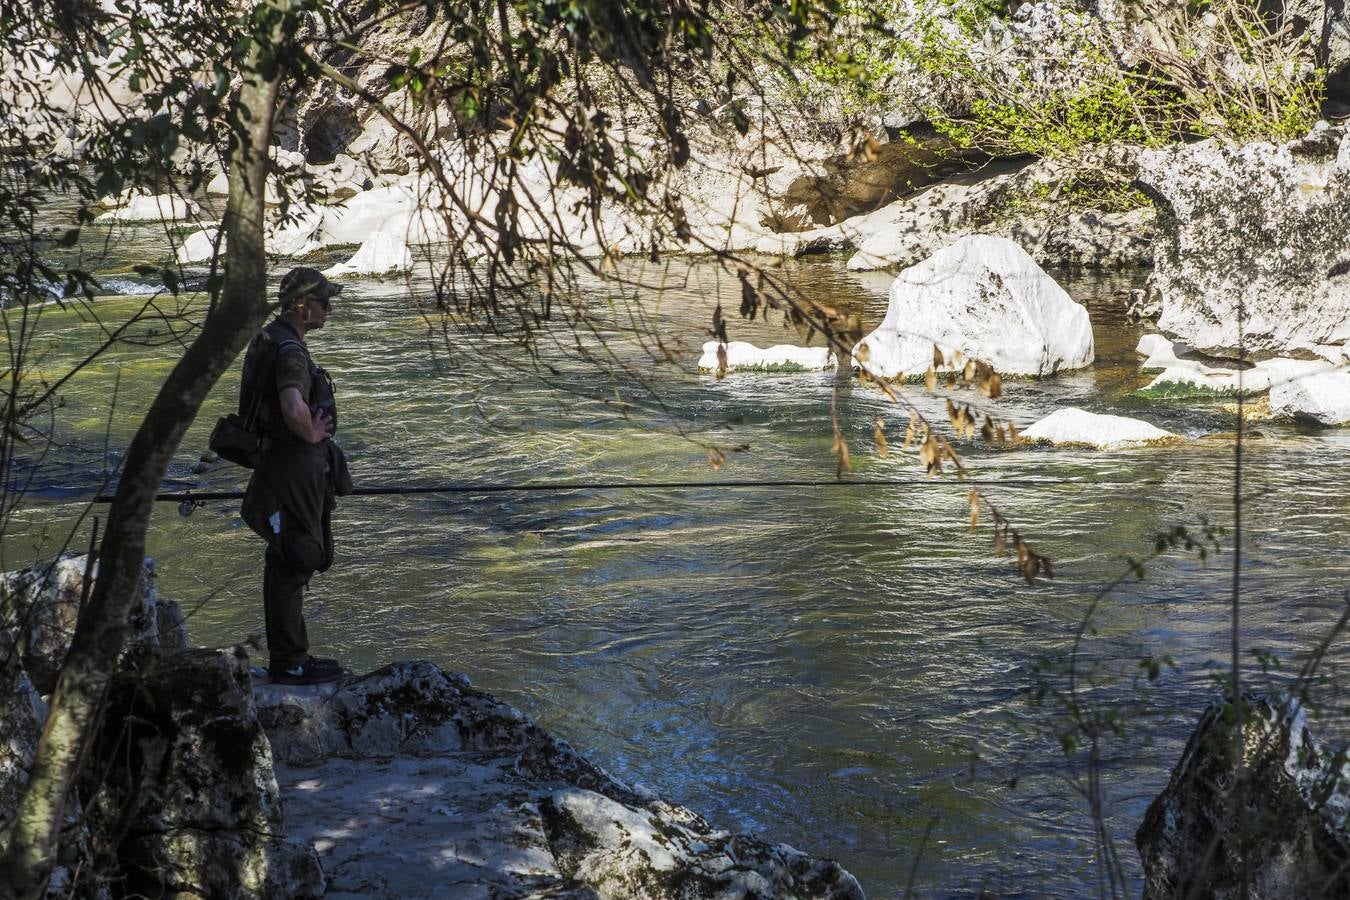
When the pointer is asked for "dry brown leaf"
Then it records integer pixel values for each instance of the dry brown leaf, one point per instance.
(930, 378)
(974, 508)
(1029, 567)
(716, 458)
(879, 433)
(909, 432)
(938, 360)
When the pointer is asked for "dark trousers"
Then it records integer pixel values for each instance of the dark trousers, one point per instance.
(292, 558)
(283, 610)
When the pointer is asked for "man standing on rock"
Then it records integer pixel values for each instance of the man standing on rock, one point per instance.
(290, 498)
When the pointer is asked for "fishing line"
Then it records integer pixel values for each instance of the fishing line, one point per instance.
(197, 497)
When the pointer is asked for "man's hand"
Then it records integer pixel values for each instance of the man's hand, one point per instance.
(312, 427)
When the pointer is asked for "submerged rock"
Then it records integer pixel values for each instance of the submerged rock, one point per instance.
(778, 358)
(1261, 225)
(985, 298)
(1073, 426)
(1296, 793)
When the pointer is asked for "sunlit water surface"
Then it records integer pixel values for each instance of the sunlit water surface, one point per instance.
(848, 670)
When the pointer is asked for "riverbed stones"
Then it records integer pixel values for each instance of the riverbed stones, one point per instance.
(1262, 227)
(743, 356)
(1297, 792)
(186, 788)
(985, 298)
(1078, 427)
(39, 606)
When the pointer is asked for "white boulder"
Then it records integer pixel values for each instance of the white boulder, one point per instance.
(382, 253)
(219, 185)
(1321, 397)
(780, 357)
(199, 246)
(985, 298)
(152, 208)
(1076, 426)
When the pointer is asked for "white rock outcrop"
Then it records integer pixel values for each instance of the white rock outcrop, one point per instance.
(152, 208)
(1079, 427)
(382, 253)
(1320, 397)
(778, 358)
(1262, 226)
(985, 298)
(1185, 376)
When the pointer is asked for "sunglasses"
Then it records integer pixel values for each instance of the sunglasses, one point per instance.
(325, 302)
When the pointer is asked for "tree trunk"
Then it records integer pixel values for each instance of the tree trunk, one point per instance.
(101, 633)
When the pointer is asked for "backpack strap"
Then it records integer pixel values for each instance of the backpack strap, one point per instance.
(260, 389)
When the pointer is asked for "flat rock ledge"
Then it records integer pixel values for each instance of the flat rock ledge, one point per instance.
(411, 783)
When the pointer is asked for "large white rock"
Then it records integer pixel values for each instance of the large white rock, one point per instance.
(986, 298)
(1322, 397)
(390, 209)
(152, 208)
(199, 246)
(1262, 226)
(297, 236)
(382, 253)
(742, 355)
(1076, 426)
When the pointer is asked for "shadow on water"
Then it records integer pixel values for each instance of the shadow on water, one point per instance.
(834, 668)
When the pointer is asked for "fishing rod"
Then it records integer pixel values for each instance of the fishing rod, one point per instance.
(529, 487)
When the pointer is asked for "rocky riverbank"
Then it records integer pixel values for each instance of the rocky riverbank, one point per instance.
(406, 782)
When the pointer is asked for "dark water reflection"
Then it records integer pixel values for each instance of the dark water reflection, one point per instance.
(845, 670)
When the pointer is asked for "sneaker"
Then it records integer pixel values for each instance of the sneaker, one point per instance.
(313, 670)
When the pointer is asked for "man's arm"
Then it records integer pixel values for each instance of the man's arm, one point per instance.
(312, 428)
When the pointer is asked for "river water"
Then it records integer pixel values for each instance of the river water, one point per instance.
(849, 670)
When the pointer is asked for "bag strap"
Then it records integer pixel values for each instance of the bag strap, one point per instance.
(260, 390)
